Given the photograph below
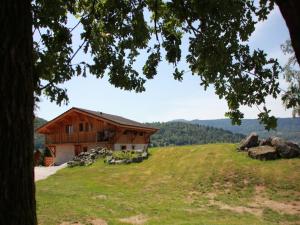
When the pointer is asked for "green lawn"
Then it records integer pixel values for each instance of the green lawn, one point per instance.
(204, 184)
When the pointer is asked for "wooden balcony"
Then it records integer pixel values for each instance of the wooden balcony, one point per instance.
(79, 137)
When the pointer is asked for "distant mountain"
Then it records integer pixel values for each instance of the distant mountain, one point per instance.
(183, 133)
(288, 128)
(180, 120)
(39, 139)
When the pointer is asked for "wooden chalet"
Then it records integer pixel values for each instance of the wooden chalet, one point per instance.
(79, 130)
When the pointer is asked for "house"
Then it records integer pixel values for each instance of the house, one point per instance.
(79, 130)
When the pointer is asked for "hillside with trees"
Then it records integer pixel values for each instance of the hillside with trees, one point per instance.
(288, 128)
(179, 133)
(39, 139)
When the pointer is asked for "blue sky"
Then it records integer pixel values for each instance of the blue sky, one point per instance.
(166, 99)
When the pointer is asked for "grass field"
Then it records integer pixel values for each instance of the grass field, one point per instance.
(204, 184)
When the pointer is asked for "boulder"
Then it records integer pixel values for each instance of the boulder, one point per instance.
(88, 158)
(120, 161)
(249, 142)
(93, 155)
(267, 141)
(285, 149)
(263, 153)
(85, 153)
(137, 159)
(139, 150)
(144, 155)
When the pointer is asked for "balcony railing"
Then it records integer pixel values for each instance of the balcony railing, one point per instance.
(79, 137)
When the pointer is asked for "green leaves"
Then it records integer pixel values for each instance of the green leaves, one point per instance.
(269, 122)
(150, 67)
(236, 116)
(178, 75)
(115, 33)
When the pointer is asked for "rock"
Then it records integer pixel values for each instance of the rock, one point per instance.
(73, 163)
(285, 149)
(93, 155)
(133, 156)
(128, 161)
(120, 161)
(145, 155)
(94, 151)
(249, 142)
(88, 158)
(137, 159)
(83, 154)
(88, 163)
(139, 151)
(266, 142)
(263, 153)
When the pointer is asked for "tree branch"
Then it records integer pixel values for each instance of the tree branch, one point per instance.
(80, 46)
(255, 75)
(155, 21)
(189, 23)
(73, 28)
(47, 85)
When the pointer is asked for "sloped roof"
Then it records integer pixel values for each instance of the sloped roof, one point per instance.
(117, 119)
(109, 117)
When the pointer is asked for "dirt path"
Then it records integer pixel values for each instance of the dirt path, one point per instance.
(41, 172)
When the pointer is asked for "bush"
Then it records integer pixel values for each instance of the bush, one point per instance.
(47, 152)
(119, 155)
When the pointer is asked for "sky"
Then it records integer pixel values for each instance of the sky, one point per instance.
(166, 99)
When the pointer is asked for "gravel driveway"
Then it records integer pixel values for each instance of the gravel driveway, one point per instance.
(41, 172)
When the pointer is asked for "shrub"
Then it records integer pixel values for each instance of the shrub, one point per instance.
(119, 155)
(47, 152)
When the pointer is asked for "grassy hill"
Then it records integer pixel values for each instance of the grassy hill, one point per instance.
(178, 133)
(204, 184)
(288, 128)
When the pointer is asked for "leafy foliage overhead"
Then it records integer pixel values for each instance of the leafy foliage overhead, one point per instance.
(115, 32)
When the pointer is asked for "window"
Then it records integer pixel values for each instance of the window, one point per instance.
(69, 129)
(102, 136)
(105, 135)
(133, 147)
(123, 147)
(81, 127)
(88, 126)
(85, 149)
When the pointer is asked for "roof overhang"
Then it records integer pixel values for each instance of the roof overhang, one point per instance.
(42, 128)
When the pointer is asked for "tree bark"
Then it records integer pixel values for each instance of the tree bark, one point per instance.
(17, 188)
(290, 10)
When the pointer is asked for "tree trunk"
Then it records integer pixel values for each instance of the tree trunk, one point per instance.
(290, 10)
(17, 188)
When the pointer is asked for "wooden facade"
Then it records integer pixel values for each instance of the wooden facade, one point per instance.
(85, 129)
